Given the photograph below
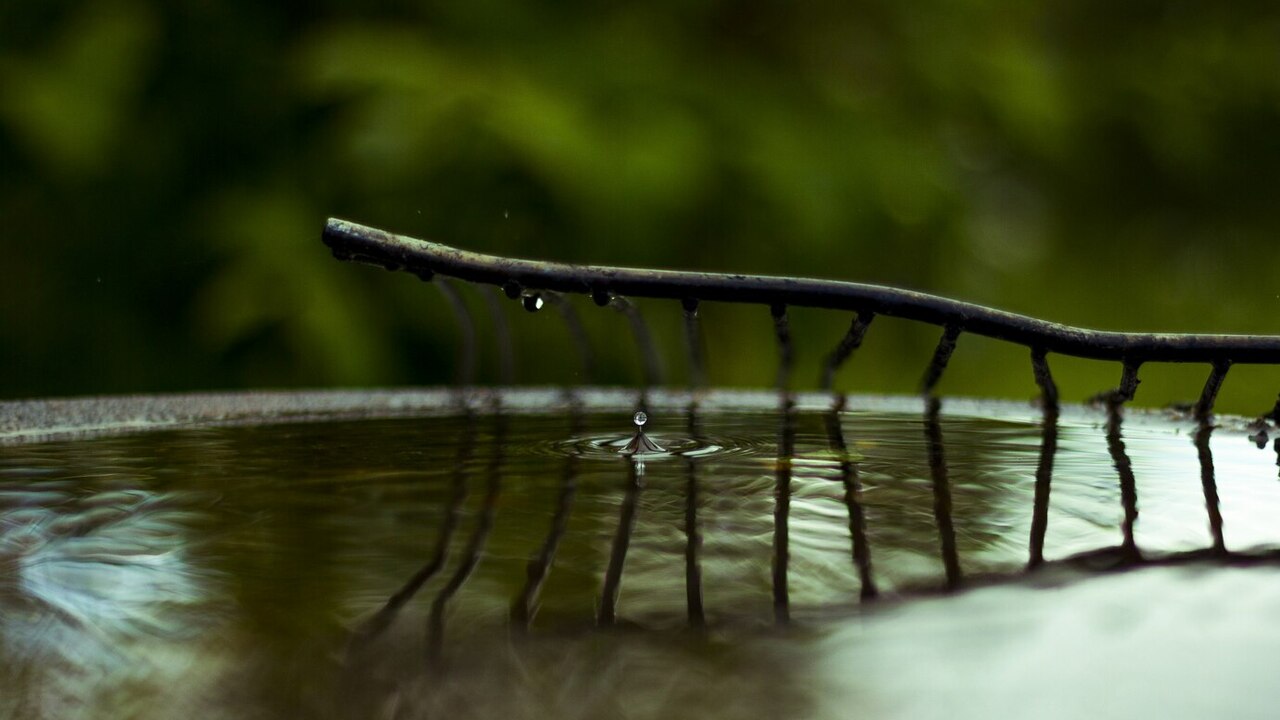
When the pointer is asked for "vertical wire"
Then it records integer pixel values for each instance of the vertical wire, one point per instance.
(782, 329)
(466, 371)
(502, 335)
(652, 364)
(573, 323)
(941, 356)
(851, 341)
(693, 342)
(1204, 406)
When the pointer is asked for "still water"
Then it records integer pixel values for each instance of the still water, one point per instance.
(781, 559)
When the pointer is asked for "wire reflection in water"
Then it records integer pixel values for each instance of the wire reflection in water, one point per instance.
(693, 538)
(348, 501)
(525, 605)
(471, 556)
(849, 479)
(782, 509)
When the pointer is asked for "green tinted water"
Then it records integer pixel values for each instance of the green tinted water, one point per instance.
(240, 571)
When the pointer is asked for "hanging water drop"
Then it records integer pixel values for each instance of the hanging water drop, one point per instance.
(640, 444)
(532, 302)
(511, 289)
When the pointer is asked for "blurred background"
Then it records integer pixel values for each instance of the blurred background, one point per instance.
(166, 169)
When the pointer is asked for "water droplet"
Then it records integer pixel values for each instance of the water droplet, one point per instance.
(532, 302)
(690, 305)
(640, 419)
(506, 213)
(601, 297)
(512, 289)
(425, 274)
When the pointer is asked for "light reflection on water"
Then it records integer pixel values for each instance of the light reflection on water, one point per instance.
(240, 571)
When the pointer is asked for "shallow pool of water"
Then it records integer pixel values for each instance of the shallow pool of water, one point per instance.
(494, 556)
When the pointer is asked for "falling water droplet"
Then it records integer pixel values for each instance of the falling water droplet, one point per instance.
(640, 419)
(532, 302)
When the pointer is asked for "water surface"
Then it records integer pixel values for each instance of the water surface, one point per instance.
(782, 559)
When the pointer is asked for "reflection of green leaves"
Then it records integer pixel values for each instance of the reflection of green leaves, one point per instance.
(69, 103)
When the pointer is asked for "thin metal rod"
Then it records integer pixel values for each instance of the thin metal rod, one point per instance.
(941, 356)
(621, 542)
(941, 493)
(693, 538)
(1044, 477)
(644, 341)
(502, 335)
(475, 547)
(1204, 407)
(782, 512)
(852, 490)
(693, 342)
(1210, 485)
(1128, 484)
(782, 329)
(851, 341)
(466, 372)
(1128, 382)
(573, 323)
(1044, 379)
(353, 242)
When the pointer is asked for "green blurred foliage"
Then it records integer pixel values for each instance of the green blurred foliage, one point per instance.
(166, 168)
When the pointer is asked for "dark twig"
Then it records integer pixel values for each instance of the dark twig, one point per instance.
(353, 242)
